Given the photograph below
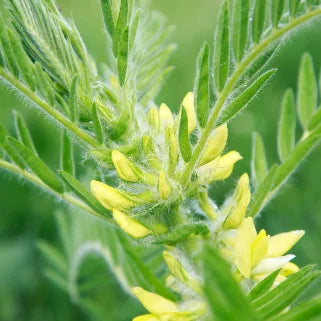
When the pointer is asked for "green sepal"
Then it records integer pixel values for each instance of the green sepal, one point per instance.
(67, 155)
(183, 136)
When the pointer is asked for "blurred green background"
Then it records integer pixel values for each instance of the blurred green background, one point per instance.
(27, 216)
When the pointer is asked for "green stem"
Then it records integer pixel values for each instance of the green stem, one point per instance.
(51, 111)
(257, 49)
(67, 197)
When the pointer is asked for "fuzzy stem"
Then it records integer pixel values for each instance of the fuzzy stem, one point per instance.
(232, 82)
(51, 111)
(67, 197)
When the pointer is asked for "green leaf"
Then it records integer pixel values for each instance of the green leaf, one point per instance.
(286, 131)
(67, 156)
(307, 311)
(107, 11)
(315, 120)
(36, 165)
(202, 90)
(284, 294)
(277, 11)
(300, 152)
(97, 125)
(241, 101)
(294, 5)
(23, 132)
(258, 21)
(10, 151)
(259, 166)
(264, 286)
(241, 12)
(120, 26)
(307, 91)
(133, 29)
(225, 298)
(183, 136)
(261, 193)
(222, 48)
(122, 59)
(78, 189)
(73, 101)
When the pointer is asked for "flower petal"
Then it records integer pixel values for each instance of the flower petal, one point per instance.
(269, 265)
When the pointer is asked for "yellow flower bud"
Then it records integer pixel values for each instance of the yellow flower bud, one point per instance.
(130, 225)
(112, 198)
(188, 103)
(246, 235)
(164, 187)
(173, 149)
(153, 118)
(165, 115)
(215, 145)
(259, 248)
(237, 205)
(126, 169)
(154, 303)
(282, 243)
(289, 268)
(175, 267)
(218, 169)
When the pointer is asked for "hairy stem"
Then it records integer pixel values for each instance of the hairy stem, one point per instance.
(277, 34)
(51, 111)
(67, 197)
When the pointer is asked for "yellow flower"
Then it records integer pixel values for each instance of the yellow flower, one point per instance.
(237, 205)
(218, 169)
(164, 187)
(188, 103)
(165, 115)
(160, 309)
(258, 255)
(216, 144)
(130, 225)
(113, 198)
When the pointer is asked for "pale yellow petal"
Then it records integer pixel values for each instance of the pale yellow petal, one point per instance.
(282, 243)
(164, 187)
(165, 115)
(188, 103)
(259, 248)
(269, 265)
(216, 144)
(130, 225)
(238, 203)
(175, 267)
(154, 303)
(289, 268)
(110, 197)
(246, 235)
(146, 317)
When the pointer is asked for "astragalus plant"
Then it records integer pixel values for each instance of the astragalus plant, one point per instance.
(149, 170)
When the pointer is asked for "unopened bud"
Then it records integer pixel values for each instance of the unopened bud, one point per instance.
(165, 115)
(215, 145)
(188, 103)
(153, 118)
(164, 187)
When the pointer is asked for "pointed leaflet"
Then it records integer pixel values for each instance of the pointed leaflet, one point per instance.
(277, 11)
(261, 193)
(259, 166)
(284, 294)
(76, 187)
(36, 165)
(73, 103)
(294, 5)
(241, 101)
(106, 7)
(202, 86)
(315, 120)
(225, 297)
(264, 286)
(67, 156)
(286, 131)
(307, 91)
(241, 11)
(23, 132)
(121, 25)
(222, 47)
(97, 125)
(258, 19)
(183, 136)
(122, 58)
